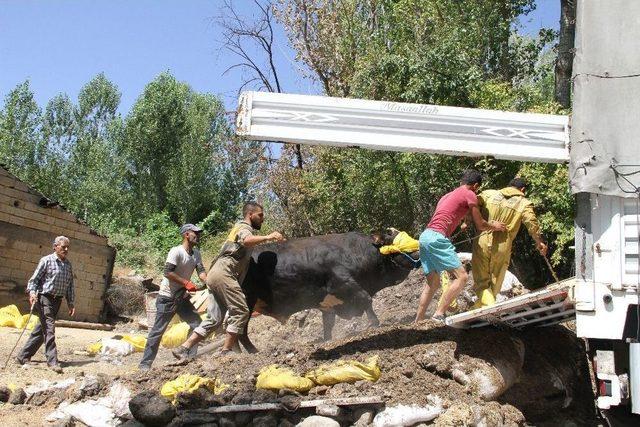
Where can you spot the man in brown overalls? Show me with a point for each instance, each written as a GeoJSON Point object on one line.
{"type": "Point", "coordinates": [224, 279]}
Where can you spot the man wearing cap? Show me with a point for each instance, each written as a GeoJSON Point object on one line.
{"type": "Point", "coordinates": [173, 297]}
{"type": "Point", "coordinates": [224, 282]}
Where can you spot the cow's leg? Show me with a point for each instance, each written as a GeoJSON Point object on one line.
{"type": "Point", "coordinates": [244, 338]}
{"type": "Point", "coordinates": [342, 283]}
{"type": "Point", "coordinates": [371, 315]}
{"type": "Point", "coordinates": [328, 322]}
{"type": "Point", "coordinates": [246, 342]}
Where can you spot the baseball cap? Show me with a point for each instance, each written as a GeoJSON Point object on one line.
{"type": "Point", "coordinates": [190, 227]}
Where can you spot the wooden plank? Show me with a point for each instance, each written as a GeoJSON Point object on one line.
{"type": "Point", "coordinates": [534, 307]}
{"type": "Point", "coordinates": [347, 401]}
{"type": "Point", "coordinates": [84, 325]}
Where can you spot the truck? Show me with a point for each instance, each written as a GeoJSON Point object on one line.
{"type": "Point", "coordinates": [600, 143]}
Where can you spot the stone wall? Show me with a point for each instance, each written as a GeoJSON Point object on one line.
{"type": "Point", "coordinates": [28, 225]}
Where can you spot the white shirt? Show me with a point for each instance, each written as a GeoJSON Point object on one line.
{"type": "Point", "coordinates": [185, 264]}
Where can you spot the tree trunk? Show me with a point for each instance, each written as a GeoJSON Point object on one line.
{"type": "Point", "coordinates": [564, 62]}
{"type": "Point", "coordinates": [299, 156]}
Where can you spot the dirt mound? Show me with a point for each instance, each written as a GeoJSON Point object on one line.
{"type": "Point", "coordinates": [487, 376]}
{"type": "Point", "coordinates": [543, 371]}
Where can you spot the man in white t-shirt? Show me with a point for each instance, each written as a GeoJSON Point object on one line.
{"type": "Point", "coordinates": [173, 297]}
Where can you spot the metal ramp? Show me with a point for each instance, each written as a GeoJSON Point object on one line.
{"type": "Point", "coordinates": [547, 306]}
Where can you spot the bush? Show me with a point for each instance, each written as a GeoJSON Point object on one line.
{"type": "Point", "coordinates": [161, 232]}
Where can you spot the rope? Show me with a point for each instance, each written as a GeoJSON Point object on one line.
{"type": "Point", "coordinates": [416, 263]}
{"type": "Point", "coordinates": [553, 273]}
{"type": "Point", "coordinates": [546, 260]}
{"type": "Point", "coordinates": [472, 238]}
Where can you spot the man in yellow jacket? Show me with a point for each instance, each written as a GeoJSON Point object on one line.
{"type": "Point", "coordinates": [492, 251]}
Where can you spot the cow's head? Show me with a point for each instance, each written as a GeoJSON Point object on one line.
{"type": "Point", "coordinates": [396, 261]}
{"type": "Point", "coordinates": [384, 237]}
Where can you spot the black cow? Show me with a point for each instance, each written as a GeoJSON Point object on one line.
{"type": "Point", "coordinates": [337, 273]}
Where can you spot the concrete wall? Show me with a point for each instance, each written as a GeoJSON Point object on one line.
{"type": "Point", "coordinates": [28, 225]}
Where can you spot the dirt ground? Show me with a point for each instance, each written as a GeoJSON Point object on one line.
{"type": "Point", "coordinates": [415, 361]}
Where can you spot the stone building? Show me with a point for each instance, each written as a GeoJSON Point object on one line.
{"type": "Point", "coordinates": [29, 222]}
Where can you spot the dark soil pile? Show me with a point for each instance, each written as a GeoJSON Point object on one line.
{"type": "Point", "coordinates": [416, 361]}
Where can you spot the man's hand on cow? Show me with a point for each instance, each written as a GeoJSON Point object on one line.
{"type": "Point", "coordinates": [275, 236]}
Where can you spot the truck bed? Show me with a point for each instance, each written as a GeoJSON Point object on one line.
{"type": "Point", "coordinates": [544, 307]}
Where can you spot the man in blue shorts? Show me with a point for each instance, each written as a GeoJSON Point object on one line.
{"type": "Point", "coordinates": [437, 253]}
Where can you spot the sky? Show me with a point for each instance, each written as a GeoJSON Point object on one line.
{"type": "Point", "coordinates": [60, 45]}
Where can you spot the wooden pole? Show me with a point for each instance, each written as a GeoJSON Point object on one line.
{"type": "Point", "coordinates": [84, 325]}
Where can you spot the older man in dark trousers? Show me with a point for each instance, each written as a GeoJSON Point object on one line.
{"type": "Point", "coordinates": [51, 281]}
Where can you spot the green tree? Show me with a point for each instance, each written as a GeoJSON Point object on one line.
{"type": "Point", "coordinates": [94, 170]}
{"type": "Point", "coordinates": [453, 52]}
{"type": "Point", "coordinates": [181, 158]}
{"type": "Point", "coordinates": [21, 144]}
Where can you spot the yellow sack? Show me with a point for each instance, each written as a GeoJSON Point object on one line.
{"type": "Point", "coordinates": [94, 348]}
{"type": "Point", "coordinates": [32, 323]}
{"type": "Point", "coordinates": [188, 383]}
{"type": "Point", "coordinates": [137, 341]}
{"type": "Point", "coordinates": [346, 371]}
{"type": "Point", "coordinates": [274, 378]}
{"type": "Point", "coordinates": [401, 243]}
{"type": "Point", "coordinates": [10, 316]}
{"type": "Point", "coordinates": [175, 335]}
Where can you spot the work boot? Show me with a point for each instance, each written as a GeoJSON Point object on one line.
{"type": "Point", "coordinates": [20, 361]}
{"type": "Point", "coordinates": [56, 368]}
{"type": "Point", "coordinates": [182, 353]}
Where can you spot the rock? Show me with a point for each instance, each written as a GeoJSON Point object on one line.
{"type": "Point", "coordinates": [328, 410]}
{"type": "Point", "coordinates": [200, 398]}
{"type": "Point", "coordinates": [17, 397]}
{"type": "Point", "coordinates": [226, 422]}
{"type": "Point", "coordinates": [263, 396]}
{"type": "Point", "coordinates": [151, 409]}
{"type": "Point", "coordinates": [243, 418]}
{"type": "Point", "coordinates": [191, 419]}
{"type": "Point", "coordinates": [86, 386]}
{"type": "Point", "coordinates": [64, 422]}
{"type": "Point", "coordinates": [287, 392]}
{"type": "Point", "coordinates": [407, 373]}
{"type": "Point", "coordinates": [38, 398]}
{"type": "Point", "coordinates": [242, 398]}
{"type": "Point", "coordinates": [285, 423]}
{"type": "Point", "coordinates": [362, 417]}
{"type": "Point", "coordinates": [4, 394]}
{"type": "Point", "coordinates": [319, 421]}
{"type": "Point", "coordinates": [457, 414]}
{"type": "Point", "coordinates": [267, 420]}
{"type": "Point", "coordinates": [132, 423]}
{"type": "Point", "coordinates": [320, 390]}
